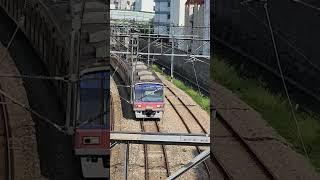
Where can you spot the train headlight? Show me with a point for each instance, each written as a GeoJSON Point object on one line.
{"type": "Point", "coordinates": [139, 105]}
{"type": "Point", "coordinates": [91, 140]}
{"type": "Point", "coordinates": [158, 106]}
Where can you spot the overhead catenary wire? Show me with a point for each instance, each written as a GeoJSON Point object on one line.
{"type": "Point", "coordinates": [307, 4]}
{"type": "Point", "coordinates": [21, 22]}
{"type": "Point", "coordinates": [276, 30]}
{"type": "Point", "coordinates": [5, 53]}
{"type": "Point", "coordinates": [13, 100]}
{"type": "Point", "coordinates": [156, 39]}
{"type": "Point", "coordinates": [58, 78]}
{"type": "Point", "coordinates": [32, 111]}
{"type": "Point", "coordinates": [66, 79]}
{"type": "Point", "coordinates": [284, 82]}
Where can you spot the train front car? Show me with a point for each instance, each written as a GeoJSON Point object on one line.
{"type": "Point", "coordinates": [148, 100]}
{"type": "Point", "coordinates": [92, 138]}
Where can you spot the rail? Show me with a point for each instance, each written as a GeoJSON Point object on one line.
{"type": "Point", "coordinates": [9, 165]}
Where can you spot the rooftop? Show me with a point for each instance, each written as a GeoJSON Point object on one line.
{"type": "Point", "coordinates": [194, 2]}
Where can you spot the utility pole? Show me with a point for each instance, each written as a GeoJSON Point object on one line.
{"type": "Point", "coordinates": [149, 48]}
{"type": "Point", "coordinates": [134, 56]}
{"type": "Point", "coordinates": [132, 70]}
{"type": "Point", "coordinates": [69, 98]}
{"type": "Point", "coordinates": [172, 55]}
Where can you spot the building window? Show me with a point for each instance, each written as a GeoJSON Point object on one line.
{"type": "Point", "coordinates": [168, 4]}
{"type": "Point", "coordinates": [154, 8]}
{"type": "Point", "coordinates": [168, 16]}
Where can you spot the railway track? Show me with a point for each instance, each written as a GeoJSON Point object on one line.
{"type": "Point", "coordinates": [245, 148]}
{"type": "Point", "coordinates": [220, 166]}
{"type": "Point", "coordinates": [153, 126]}
{"type": "Point", "coordinates": [7, 170]}
{"type": "Point", "coordinates": [184, 121]}
{"type": "Point", "coordinates": [160, 164]}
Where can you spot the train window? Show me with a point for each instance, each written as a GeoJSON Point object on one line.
{"type": "Point", "coordinates": [148, 92]}
{"type": "Point", "coordinates": [94, 100]}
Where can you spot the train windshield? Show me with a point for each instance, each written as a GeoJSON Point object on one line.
{"type": "Point", "coordinates": [148, 92]}
{"type": "Point", "coordinates": [94, 100]}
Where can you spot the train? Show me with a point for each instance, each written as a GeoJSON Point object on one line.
{"type": "Point", "coordinates": [147, 90]}
{"type": "Point", "coordinates": [63, 45]}
{"type": "Point", "coordinates": [92, 126]}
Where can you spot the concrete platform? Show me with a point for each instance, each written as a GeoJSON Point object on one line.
{"type": "Point", "coordinates": [276, 153]}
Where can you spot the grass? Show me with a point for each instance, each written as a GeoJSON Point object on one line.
{"type": "Point", "coordinates": [201, 100]}
{"type": "Point", "coordinates": [273, 107]}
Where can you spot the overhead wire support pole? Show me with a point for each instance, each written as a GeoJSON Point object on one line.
{"type": "Point", "coordinates": [126, 161]}
{"type": "Point", "coordinates": [149, 48]}
{"type": "Point", "coordinates": [132, 70]}
{"type": "Point", "coordinates": [172, 56]}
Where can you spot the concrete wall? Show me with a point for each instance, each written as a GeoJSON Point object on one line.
{"type": "Point", "coordinates": [296, 28]}
{"type": "Point", "coordinates": [48, 28]}
{"type": "Point", "coordinates": [48, 39]}
{"type": "Point", "coordinates": [183, 68]}
{"type": "Point", "coordinates": [197, 23]}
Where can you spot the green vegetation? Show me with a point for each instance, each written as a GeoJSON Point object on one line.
{"type": "Point", "coordinates": [203, 101]}
{"type": "Point", "coordinates": [273, 107]}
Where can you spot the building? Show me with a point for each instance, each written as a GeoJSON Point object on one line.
{"type": "Point", "coordinates": [197, 22]}
{"type": "Point", "coordinates": [144, 5]}
{"type": "Point", "coordinates": [169, 13]}
{"type": "Point", "coordinates": [142, 17]}
{"type": "Point", "coordinates": [121, 4]}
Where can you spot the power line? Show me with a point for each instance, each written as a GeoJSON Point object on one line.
{"type": "Point", "coordinates": [19, 23]}
{"type": "Point", "coordinates": [58, 78]}
{"type": "Point", "coordinates": [307, 4]}
{"type": "Point", "coordinates": [67, 78]}
{"type": "Point", "coordinates": [283, 80]}
{"type": "Point", "coordinates": [45, 119]}
{"type": "Point", "coordinates": [277, 31]}
{"type": "Point", "coordinates": [9, 44]}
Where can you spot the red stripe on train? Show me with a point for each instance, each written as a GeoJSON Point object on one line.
{"type": "Point", "coordinates": [92, 138]}
{"type": "Point", "coordinates": [148, 105]}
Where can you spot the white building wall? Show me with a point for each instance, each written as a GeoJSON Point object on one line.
{"type": "Point", "coordinates": [140, 16]}
{"type": "Point", "coordinates": [178, 12]}
{"type": "Point", "coordinates": [206, 49]}
{"type": "Point", "coordinates": [162, 16]}
{"type": "Point", "coordinates": [144, 5]}
{"type": "Point", "coordinates": [121, 4]}
{"type": "Point", "coordinates": [172, 15]}
{"type": "Point", "coordinates": [197, 20]}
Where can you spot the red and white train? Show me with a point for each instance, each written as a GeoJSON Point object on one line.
{"type": "Point", "coordinates": [147, 90]}
{"type": "Point", "coordinates": [148, 93]}
{"type": "Point", "coordinates": [92, 132]}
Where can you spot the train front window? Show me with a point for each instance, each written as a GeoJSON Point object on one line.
{"type": "Point", "coordinates": [148, 93]}
{"type": "Point", "coordinates": [94, 99]}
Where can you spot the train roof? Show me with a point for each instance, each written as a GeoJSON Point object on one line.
{"type": "Point", "coordinates": [98, 66]}
{"type": "Point", "coordinates": [144, 74]}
